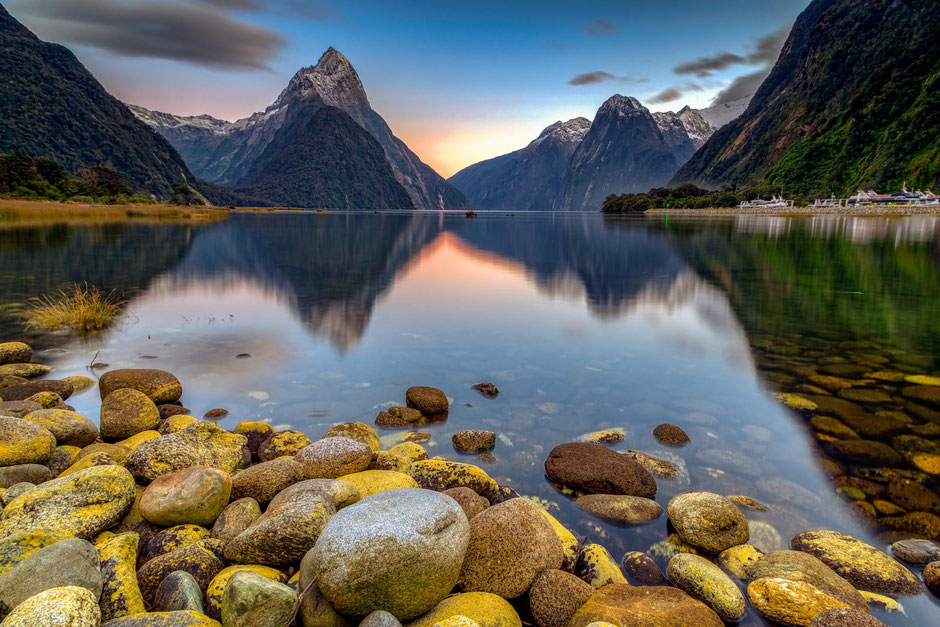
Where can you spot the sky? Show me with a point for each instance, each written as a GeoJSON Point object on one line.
{"type": "Point", "coordinates": [457, 81]}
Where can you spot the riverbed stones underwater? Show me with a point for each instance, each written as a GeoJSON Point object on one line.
{"type": "Point", "coordinates": [162, 518]}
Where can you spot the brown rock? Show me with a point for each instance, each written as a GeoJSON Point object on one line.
{"type": "Point", "coordinates": [159, 385]}
{"type": "Point", "coordinates": [474, 440]}
{"type": "Point", "coordinates": [708, 521]}
{"type": "Point", "coordinates": [597, 469]}
{"type": "Point", "coordinates": [284, 444]}
{"type": "Point", "coordinates": [199, 559]}
{"type": "Point", "coordinates": [670, 434]}
{"type": "Point", "coordinates": [235, 518]}
{"type": "Point", "coordinates": [263, 481]}
{"type": "Point", "coordinates": [333, 457]}
{"type": "Point", "coordinates": [845, 617]}
{"type": "Point", "coordinates": [126, 412]}
{"type": "Point", "coordinates": [195, 495]}
{"type": "Point", "coordinates": [644, 606]}
{"type": "Point", "coordinates": [470, 502]}
{"type": "Point", "coordinates": [256, 432]}
{"type": "Point", "coordinates": [426, 400]}
{"type": "Point", "coordinates": [620, 509]}
{"type": "Point", "coordinates": [22, 391]}
{"type": "Point", "coordinates": [866, 452]}
{"type": "Point", "coordinates": [555, 596]}
{"type": "Point", "coordinates": [932, 576]}
{"type": "Point", "coordinates": [486, 389]}
{"type": "Point", "coordinates": [641, 570]}
{"type": "Point", "coordinates": [913, 496]}
{"type": "Point", "coordinates": [799, 566]}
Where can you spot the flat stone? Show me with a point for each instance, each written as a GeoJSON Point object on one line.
{"type": "Point", "coordinates": [786, 491]}
{"type": "Point", "coordinates": [912, 495]}
{"type": "Point", "coordinates": [730, 461]}
{"type": "Point", "coordinates": [916, 551]}
{"type": "Point", "coordinates": [708, 521]}
{"type": "Point", "coordinates": [929, 394]}
{"type": "Point", "coordinates": [620, 509]}
{"type": "Point", "coordinates": [596, 469]}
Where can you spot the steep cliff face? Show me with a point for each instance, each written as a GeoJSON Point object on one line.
{"type": "Point", "coordinates": [224, 152]}
{"type": "Point", "coordinates": [624, 151]}
{"type": "Point", "coordinates": [675, 135]}
{"type": "Point", "coordinates": [696, 127]}
{"type": "Point", "coordinates": [51, 106]}
{"type": "Point", "coordinates": [527, 179]}
{"type": "Point", "coordinates": [853, 100]}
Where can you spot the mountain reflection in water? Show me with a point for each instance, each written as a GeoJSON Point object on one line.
{"type": "Point", "coordinates": [583, 322]}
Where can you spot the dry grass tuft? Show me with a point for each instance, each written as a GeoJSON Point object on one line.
{"type": "Point", "coordinates": [79, 306]}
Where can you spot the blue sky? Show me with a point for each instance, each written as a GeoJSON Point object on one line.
{"type": "Point", "coordinates": [458, 81]}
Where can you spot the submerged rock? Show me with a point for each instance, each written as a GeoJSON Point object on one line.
{"type": "Point", "coordinates": [790, 602]}
{"type": "Point", "coordinates": [426, 400]}
{"type": "Point", "coordinates": [620, 509]}
{"type": "Point", "coordinates": [596, 469]}
{"type": "Point", "coordinates": [474, 440]}
{"type": "Point", "coordinates": [916, 551]}
{"type": "Point", "coordinates": [486, 389]}
{"type": "Point", "coordinates": [798, 566]}
{"type": "Point", "coordinates": [670, 435]}
{"type": "Point", "coordinates": [641, 570]}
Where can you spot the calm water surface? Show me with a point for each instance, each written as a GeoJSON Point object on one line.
{"type": "Point", "coordinates": [582, 322]}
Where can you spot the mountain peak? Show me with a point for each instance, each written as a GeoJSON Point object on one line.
{"type": "Point", "coordinates": [333, 79]}
{"type": "Point", "coordinates": [623, 105]}
{"type": "Point", "coordinates": [572, 131]}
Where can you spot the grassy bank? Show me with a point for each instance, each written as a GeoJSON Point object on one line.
{"type": "Point", "coordinates": [23, 212]}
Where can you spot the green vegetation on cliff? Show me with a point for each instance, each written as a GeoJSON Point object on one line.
{"type": "Point", "coordinates": [853, 101]}
{"type": "Point", "coordinates": [44, 179]}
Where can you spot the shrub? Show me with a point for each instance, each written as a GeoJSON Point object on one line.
{"type": "Point", "coordinates": [79, 307]}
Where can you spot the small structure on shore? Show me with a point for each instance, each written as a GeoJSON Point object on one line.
{"type": "Point", "coordinates": [774, 202]}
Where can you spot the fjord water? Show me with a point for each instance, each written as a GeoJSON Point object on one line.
{"type": "Point", "coordinates": [583, 322]}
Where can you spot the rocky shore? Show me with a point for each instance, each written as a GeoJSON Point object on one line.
{"type": "Point", "coordinates": [153, 516]}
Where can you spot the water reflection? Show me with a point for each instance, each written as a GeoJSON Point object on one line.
{"type": "Point", "coordinates": [583, 322]}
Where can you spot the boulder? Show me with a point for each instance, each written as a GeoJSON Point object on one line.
{"type": "Point", "coordinates": [179, 591]}
{"type": "Point", "coordinates": [399, 551]}
{"type": "Point", "coordinates": [199, 559]}
{"type": "Point", "coordinates": [555, 596]}
{"type": "Point", "coordinates": [510, 543]}
{"type": "Point", "coordinates": [638, 606]}
{"type": "Point", "coordinates": [22, 391]}
{"type": "Point", "coordinates": [15, 353]}
{"type": "Point", "coordinates": [24, 442]}
{"type": "Point", "coordinates": [426, 400]}
{"type": "Point", "coordinates": [739, 560]}
{"type": "Point", "coordinates": [861, 564]}
{"type": "Point", "coordinates": [69, 428]}
{"type": "Point", "coordinates": [202, 443]}
{"type": "Point", "coordinates": [703, 580]}
{"type": "Point", "coordinates": [235, 518]}
{"type": "Point", "coordinates": [71, 562]}
{"type": "Point", "coordinates": [126, 412]}
{"type": "Point", "coordinates": [620, 509]}
{"type": "Point", "coordinates": [215, 592]}
{"type": "Point", "coordinates": [474, 440]}
{"type": "Point", "coordinates": [83, 504]}
{"type": "Point", "coordinates": [596, 469]}
{"type": "Point", "coordinates": [283, 444]}
{"type": "Point", "coordinates": [284, 533]}
{"type": "Point", "coordinates": [195, 495]}
{"type": "Point", "coordinates": [708, 521]}
{"type": "Point", "coordinates": [442, 474]}
{"type": "Point", "coordinates": [487, 610]}
{"type": "Point", "coordinates": [790, 602]}
{"type": "Point", "coordinates": [596, 566]}
{"type": "Point", "coordinates": [33, 473]}
{"type": "Point", "coordinates": [62, 458]}
{"type": "Point", "coordinates": [263, 481]}
{"type": "Point", "coordinates": [470, 502]}
{"type": "Point", "coordinates": [252, 600]}
{"type": "Point", "coordinates": [120, 595]}
{"type": "Point", "coordinates": [159, 385]}
{"type": "Point", "coordinates": [333, 457]}
{"type": "Point", "coordinates": [799, 566]}
{"type": "Point", "coordinates": [69, 606]}
{"type": "Point", "coordinates": [18, 409]}
{"type": "Point", "coordinates": [359, 431]}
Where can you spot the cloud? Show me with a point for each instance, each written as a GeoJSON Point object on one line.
{"type": "Point", "coordinates": [768, 47]}
{"type": "Point", "coordinates": [741, 86]}
{"type": "Point", "coordinates": [765, 51]}
{"type": "Point", "coordinates": [170, 29]}
{"type": "Point", "coordinates": [704, 66]}
{"type": "Point", "coordinates": [598, 28]}
{"type": "Point", "coordinates": [303, 9]}
{"type": "Point", "coordinates": [667, 95]}
{"type": "Point", "coordinates": [592, 78]}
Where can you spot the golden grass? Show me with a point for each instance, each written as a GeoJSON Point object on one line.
{"type": "Point", "coordinates": [24, 212]}
{"type": "Point", "coordinates": [79, 307]}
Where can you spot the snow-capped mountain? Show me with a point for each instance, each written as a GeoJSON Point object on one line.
{"type": "Point", "coordinates": [719, 115]}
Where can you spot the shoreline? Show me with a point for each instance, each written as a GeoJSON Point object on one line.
{"type": "Point", "coordinates": [887, 212]}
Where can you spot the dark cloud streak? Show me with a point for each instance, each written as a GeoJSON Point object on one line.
{"type": "Point", "coordinates": [704, 66]}
{"type": "Point", "coordinates": [598, 28]}
{"type": "Point", "coordinates": [592, 78]}
{"type": "Point", "coordinates": [667, 95]}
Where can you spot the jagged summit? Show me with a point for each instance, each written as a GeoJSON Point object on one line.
{"type": "Point", "coordinates": [572, 131]}
{"type": "Point", "coordinates": [333, 78]}
{"type": "Point", "coordinates": [623, 105]}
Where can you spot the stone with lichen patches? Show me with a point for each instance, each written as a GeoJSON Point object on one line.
{"type": "Point", "coordinates": [284, 533]}
{"type": "Point", "coordinates": [705, 581]}
{"type": "Point", "coordinates": [69, 428]}
{"type": "Point", "coordinates": [252, 600]}
{"type": "Point", "coordinates": [216, 589]}
{"type": "Point", "coordinates": [19, 546]}
{"type": "Point", "coordinates": [621, 604]}
{"type": "Point", "coordinates": [369, 482]}
{"type": "Point", "coordinates": [409, 451]}
{"type": "Point", "coordinates": [199, 559]}
{"type": "Point", "coordinates": [641, 570]}
{"type": "Point", "coordinates": [790, 602]}
{"type": "Point", "coordinates": [181, 618]}
{"type": "Point", "coordinates": [22, 391]}
{"type": "Point", "coordinates": [69, 606]}
{"type": "Point", "coordinates": [176, 422]}
{"type": "Point", "coordinates": [120, 594]}
{"type": "Point", "coordinates": [24, 442]}
{"type": "Point", "coordinates": [282, 444]}
{"type": "Point", "coordinates": [474, 440]}
{"type": "Point", "coordinates": [179, 591]}
{"type": "Point", "coordinates": [670, 434]}
{"type": "Point", "coordinates": [159, 385]}
{"type": "Point", "coordinates": [169, 540]}
{"type": "Point", "coordinates": [89, 461]}
{"type": "Point", "coordinates": [748, 502]}
{"type": "Point", "coordinates": [48, 400]}
{"type": "Point", "coordinates": [470, 502]}
{"type": "Point", "coordinates": [202, 443]}
{"type": "Point", "coordinates": [442, 474]}
{"type": "Point", "coordinates": [861, 564]}
{"type": "Point", "coordinates": [336, 492]}
{"type": "Point", "coordinates": [597, 567]}
{"type": "Point", "coordinates": [738, 560]}
{"type": "Point", "coordinates": [83, 504]}
{"type": "Point", "coordinates": [333, 457]}
{"type": "Point", "coordinates": [24, 370]}
{"type": "Point", "coordinates": [235, 518]}
{"type": "Point", "coordinates": [427, 400]}
{"type": "Point", "coordinates": [487, 610]}
{"type": "Point", "coordinates": [263, 481]}
{"type": "Point", "coordinates": [555, 596]}
{"type": "Point", "coordinates": [256, 432]}
{"type": "Point", "coordinates": [15, 352]}
{"type": "Point", "coordinates": [620, 509]}
{"type": "Point", "coordinates": [359, 431]}
{"type": "Point", "coordinates": [569, 543]}
{"type": "Point", "coordinates": [708, 521]}
{"type": "Point", "coordinates": [845, 617]}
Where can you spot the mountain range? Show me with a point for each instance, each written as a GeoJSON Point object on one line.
{"type": "Point", "coordinates": [853, 101]}
{"type": "Point", "coordinates": [576, 164]}
{"type": "Point", "coordinates": [227, 153]}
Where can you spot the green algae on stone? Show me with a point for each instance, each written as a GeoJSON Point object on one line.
{"type": "Point", "coordinates": [706, 582]}
{"type": "Point", "coordinates": [84, 503]}
{"type": "Point", "coordinates": [252, 600]}
{"type": "Point", "coordinates": [861, 564]}
{"type": "Point", "coordinates": [120, 595]}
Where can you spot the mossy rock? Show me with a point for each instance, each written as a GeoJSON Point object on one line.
{"type": "Point", "coordinates": [739, 560]}
{"type": "Point", "coordinates": [126, 412]}
{"type": "Point", "coordinates": [137, 439]}
{"type": "Point", "coordinates": [235, 518]}
{"type": "Point", "coordinates": [88, 461]}
{"type": "Point", "coordinates": [69, 428]}
{"type": "Point", "coordinates": [597, 567]}
{"type": "Point", "coordinates": [69, 606]}
{"type": "Point", "coordinates": [176, 422]}
{"type": "Point", "coordinates": [252, 600]}
{"type": "Point", "coordinates": [487, 610]}
{"type": "Point", "coordinates": [216, 589]}
{"type": "Point", "coordinates": [410, 451]}
{"type": "Point", "coordinates": [182, 618]}
{"type": "Point", "coordinates": [706, 582]}
{"type": "Point", "coordinates": [282, 444]}
{"type": "Point", "coordinates": [159, 385]}
{"type": "Point", "coordinates": [202, 443]}
{"type": "Point", "coordinates": [19, 546]}
{"type": "Point", "coordinates": [200, 559]}
{"type": "Point", "coordinates": [120, 595]}
{"type": "Point", "coordinates": [15, 352]}
{"type": "Point", "coordinates": [83, 504]}
{"type": "Point", "coordinates": [169, 540]}
{"type": "Point", "coordinates": [47, 400]}
{"type": "Point", "coordinates": [358, 431]}
{"type": "Point", "coordinates": [369, 482]}
{"type": "Point", "coordinates": [442, 474]}
{"type": "Point", "coordinates": [24, 442]}
{"type": "Point", "coordinates": [256, 432]}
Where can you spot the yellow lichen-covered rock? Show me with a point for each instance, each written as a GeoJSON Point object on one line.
{"type": "Point", "coordinates": [670, 546]}
{"type": "Point", "coordinates": [703, 580]}
{"type": "Point", "coordinates": [569, 543]}
{"type": "Point", "coordinates": [256, 432]}
{"type": "Point", "coordinates": [604, 436]}
{"type": "Point", "coordinates": [358, 431]}
{"type": "Point", "coordinates": [69, 606]}
{"type": "Point", "coordinates": [176, 422]}
{"type": "Point", "coordinates": [117, 452]}
{"type": "Point", "coordinates": [442, 474]}
{"type": "Point", "coordinates": [62, 458]}
{"type": "Point", "coordinates": [79, 383]}
{"type": "Point", "coordinates": [126, 412]}
{"type": "Point", "coordinates": [235, 518]}
{"type": "Point", "coordinates": [24, 442]}
{"type": "Point", "coordinates": [15, 352]}
{"type": "Point", "coordinates": [384, 460]}
{"type": "Point", "coordinates": [120, 595]}
{"type": "Point", "coordinates": [88, 461]}
{"type": "Point", "coordinates": [199, 559]}
{"type": "Point", "coordinates": [83, 504]}
{"type": "Point", "coordinates": [917, 379]}
{"type": "Point", "coordinates": [487, 610]}
{"type": "Point", "coordinates": [790, 602]}
{"type": "Point", "coordinates": [597, 567]}
{"type": "Point", "coordinates": [171, 539]}
{"type": "Point", "coordinates": [27, 371]}
{"type": "Point", "coordinates": [132, 518]}
{"type": "Point", "coordinates": [881, 601]}
{"type": "Point", "coordinates": [47, 399]}
{"type": "Point", "coordinates": [159, 385]}
{"type": "Point", "coordinates": [283, 444]}
{"type": "Point", "coordinates": [738, 560]}
{"type": "Point", "coordinates": [369, 482]}
{"type": "Point", "coordinates": [180, 618]}
{"type": "Point", "coordinates": [201, 443]}
{"type": "Point", "coordinates": [409, 451]}
{"type": "Point", "coordinates": [136, 440]}
{"type": "Point", "coordinates": [68, 427]}
{"type": "Point", "coordinates": [795, 401]}
{"type": "Point", "coordinates": [21, 545]}
{"type": "Point", "coordinates": [217, 586]}
{"type": "Point", "coordinates": [457, 621]}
